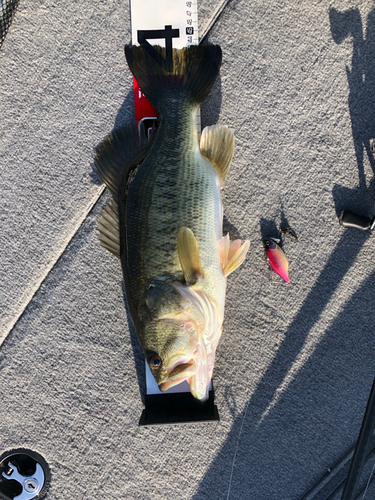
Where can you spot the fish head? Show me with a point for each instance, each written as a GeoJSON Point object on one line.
{"type": "Point", "coordinates": [169, 347]}
{"type": "Point", "coordinates": [270, 244]}
{"type": "Point", "coordinates": [180, 344]}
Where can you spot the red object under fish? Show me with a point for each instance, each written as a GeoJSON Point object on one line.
{"type": "Point", "coordinates": [277, 259]}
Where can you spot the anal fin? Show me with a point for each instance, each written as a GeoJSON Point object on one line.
{"type": "Point", "coordinates": [217, 145]}
{"type": "Point", "coordinates": [188, 253]}
{"type": "Point", "coordinates": [232, 253]}
{"type": "Point", "coordinates": [109, 228]}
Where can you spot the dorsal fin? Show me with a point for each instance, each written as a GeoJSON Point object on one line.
{"type": "Point", "coordinates": [232, 253]}
{"type": "Point", "coordinates": [111, 159]}
{"type": "Point", "coordinates": [217, 143]}
{"type": "Point", "coordinates": [188, 253]}
{"type": "Point", "coordinates": [116, 156]}
{"type": "Point", "coordinates": [109, 229]}
{"type": "Point", "coordinates": [112, 155]}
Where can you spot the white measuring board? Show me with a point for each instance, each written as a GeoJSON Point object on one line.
{"type": "Point", "coordinates": [152, 16]}
{"type": "Point", "coordinates": [156, 14]}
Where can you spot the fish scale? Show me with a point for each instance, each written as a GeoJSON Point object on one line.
{"type": "Point", "coordinates": [182, 189]}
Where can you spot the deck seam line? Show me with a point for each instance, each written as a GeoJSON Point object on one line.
{"type": "Point", "coordinates": [211, 23]}
{"type": "Point", "coordinates": [54, 259]}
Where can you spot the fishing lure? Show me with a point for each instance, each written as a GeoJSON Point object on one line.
{"type": "Point", "coordinates": [276, 257]}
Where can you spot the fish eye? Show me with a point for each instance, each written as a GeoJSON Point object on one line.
{"type": "Point", "coordinates": [155, 361]}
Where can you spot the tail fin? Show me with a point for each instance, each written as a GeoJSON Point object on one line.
{"type": "Point", "coordinates": [192, 71]}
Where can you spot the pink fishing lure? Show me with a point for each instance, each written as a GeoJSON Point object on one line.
{"type": "Point", "coordinates": [277, 258]}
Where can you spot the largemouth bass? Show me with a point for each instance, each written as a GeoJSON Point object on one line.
{"type": "Point", "coordinates": [165, 221]}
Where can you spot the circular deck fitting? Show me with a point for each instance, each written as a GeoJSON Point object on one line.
{"type": "Point", "coordinates": [24, 475]}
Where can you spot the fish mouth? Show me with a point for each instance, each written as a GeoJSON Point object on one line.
{"type": "Point", "coordinates": [178, 374]}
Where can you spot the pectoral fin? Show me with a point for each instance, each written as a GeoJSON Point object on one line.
{"type": "Point", "coordinates": [217, 143]}
{"type": "Point", "coordinates": [188, 253]}
{"type": "Point", "coordinates": [109, 229]}
{"type": "Point", "coordinates": [232, 253]}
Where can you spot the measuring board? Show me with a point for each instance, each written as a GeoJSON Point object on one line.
{"type": "Point", "coordinates": [170, 24]}
{"type": "Point", "coordinates": [159, 22]}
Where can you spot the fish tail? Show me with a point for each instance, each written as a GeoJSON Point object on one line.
{"type": "Point", "coordinates": [189, 72]}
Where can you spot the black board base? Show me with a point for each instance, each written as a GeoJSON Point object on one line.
{"type": "Point", "coordinates": [177, 408]}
